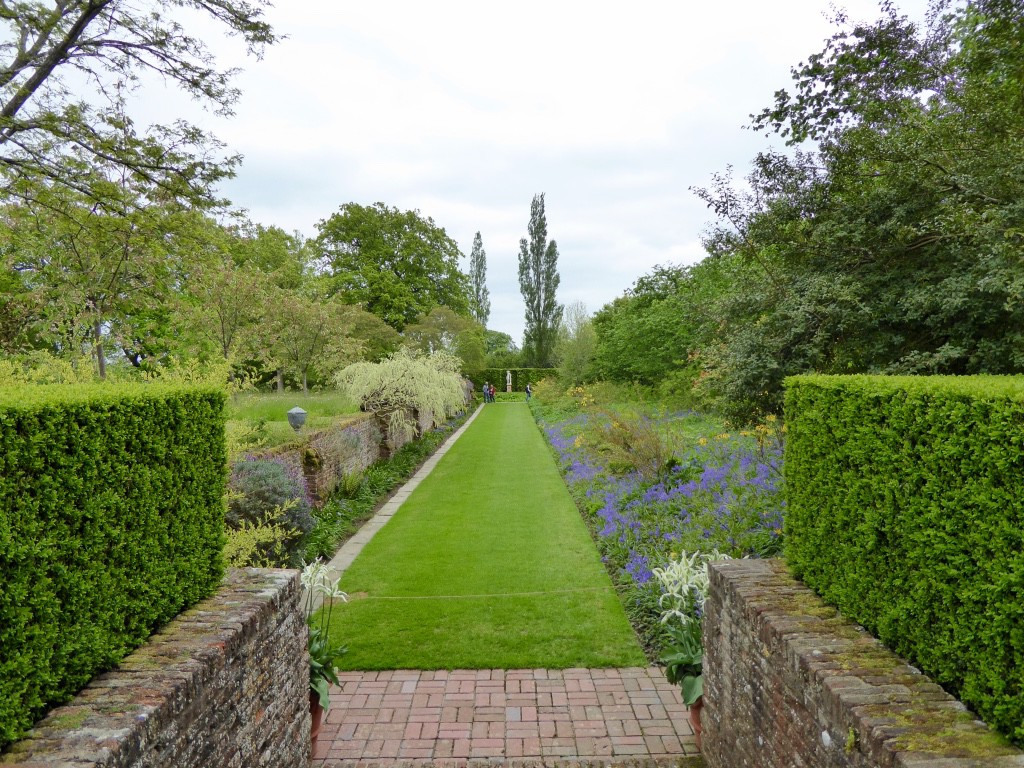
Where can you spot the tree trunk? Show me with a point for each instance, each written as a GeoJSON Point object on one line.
{"type": "Point", "coordinates": [101, 362]}
{"type": "Point", "coordinates": [305, 389]}
{"type": "Point", "coordinates": [280, 380]}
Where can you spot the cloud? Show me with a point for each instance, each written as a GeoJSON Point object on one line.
{"type": "Point", "coordinates": [466, 110]}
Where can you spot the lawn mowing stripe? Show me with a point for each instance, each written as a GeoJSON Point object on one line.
{"type": "Point", "coordinates": [493, 518]}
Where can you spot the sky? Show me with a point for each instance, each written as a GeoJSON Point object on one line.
{"type": "Point", "coordinates": [464, 111]}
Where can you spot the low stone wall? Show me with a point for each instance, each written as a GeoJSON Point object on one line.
{"type": "Point", "coordinates": [224, 684]}
{"type": "Point", "coordinates": [331, 454]}
{"type": "Point", "coordinates": [789, 682]}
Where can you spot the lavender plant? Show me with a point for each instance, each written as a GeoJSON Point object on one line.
{"type": "Point", "coordinates": [719, 492]}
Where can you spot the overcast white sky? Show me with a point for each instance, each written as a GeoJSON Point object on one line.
{"type": "Point", "coordinates": [465, 110]}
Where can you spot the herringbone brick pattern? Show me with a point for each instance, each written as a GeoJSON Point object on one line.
{"type": "Point", "coordinates": [516, 716]}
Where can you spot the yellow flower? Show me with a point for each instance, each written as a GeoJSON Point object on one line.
{"type": "Point", "coordinates": [702, 441]}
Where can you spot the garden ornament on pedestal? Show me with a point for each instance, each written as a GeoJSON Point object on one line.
{"type": "Point", "coordinates": [296, 417]}
{"type": "Point", "coordinates": [685, 588]}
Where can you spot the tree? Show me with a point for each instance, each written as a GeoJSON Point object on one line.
{"type": "Point", "coordinates": [95, 267]}
{"type": "Point", "coordinates": [403, 385]}
{"type": "Point", "coordinates": [538, 282]}
{"type": "Point", "coordinates": [576, 345]}
{"type": "Point", "coordinates": [397, 264]}
{"type": "Point", "coordinates": [226, 307]}
{"type": "Point", "coordinates": [443, 330]}
{"type": "Point", "coordinates": [896, 245]}
{"type": "Point", "coordinates": [480, 298]}
{"type": "Point", "coordinates": [311, 334]}
{"type": "Point", "coordinates": [501, 351]}
{"type": "Point", "coordinates": [51, 52]}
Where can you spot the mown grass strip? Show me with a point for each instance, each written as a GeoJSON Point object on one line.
{"type": "Point", "coordinates": [494, 537]}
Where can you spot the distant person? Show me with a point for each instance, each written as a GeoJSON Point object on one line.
{"type": "Point", "coordinates": [493, 390]}
{"type": "Point", "coordinates": [529, 392]}
{"type": "Point", "coordinates": [487, 392]}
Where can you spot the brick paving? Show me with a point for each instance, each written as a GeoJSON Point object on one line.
{"type": "Point", "coordinates": [523, 716]}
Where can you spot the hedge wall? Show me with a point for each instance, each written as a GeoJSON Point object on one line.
{"type": "Point", "coordinates": [111, 522]}
{"type": "Point", "coordinates": [520, 377]}
{"type": "Point", "coordinates": [906, 511]}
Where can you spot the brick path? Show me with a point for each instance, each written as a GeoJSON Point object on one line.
{"type": "Point", "coordinates": [515, 716]}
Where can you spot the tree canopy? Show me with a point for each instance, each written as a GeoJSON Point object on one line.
{"type": "Point", "coordinates": [66, 68]}
{"type": "Point", "coordinates": [398, 264]}
{"type": "Point", "coordinates": [890, 241]}
{"type": "Point", "coordinates": [538, 282]}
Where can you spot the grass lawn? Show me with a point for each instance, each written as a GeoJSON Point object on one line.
{"type": "Point", "coordinates": [487, 565]}
{"type": "Point", "coordinates": [245, 412]}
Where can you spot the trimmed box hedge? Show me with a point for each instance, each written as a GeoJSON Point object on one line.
{"type": "Point", "coordinates": [906, 511]}
{"type": "Point", "coordinates": [111, 523]}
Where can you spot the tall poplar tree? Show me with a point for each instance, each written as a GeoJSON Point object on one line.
{"type": "Point", "coordinates": [480, 297]}
{"type": "Point", "coordinates": [538, 281]}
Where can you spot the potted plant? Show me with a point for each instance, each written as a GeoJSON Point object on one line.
{"type": "Point", "coordinates": [323, 656]}
{"type": "Point", "coordinates": [684, 585]}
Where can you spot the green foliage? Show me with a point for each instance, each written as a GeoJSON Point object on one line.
{"type": "Point", "coordinates": [480, 297]}
{"type": "Point", "coordinates": [538, 282]}
{"type": "Point", "coordinates": [443, 330]}
{"type": "Point", "coordinates": [267, 490]}
{"type": "Point", "coordinates": [647, 335]}
{"type": "Point", "coordinates": [259, 545]}
{"type": "Point", "coordinates": [576, 346]}
{"type": "Point", "coordinates": [905, 512]}
{"type": "Point", "coordinates": [501, 351]}
{"type": "Point", "coordinates": [111, 523]}
{"type": "Point", "coordinates": [893, 246]}
{"type": "Point", "coordinates": [398, 264]}
{"type": "Point", "coordinates": [406, 383]}
{"type": "Point", "coordinates": [69, 68]}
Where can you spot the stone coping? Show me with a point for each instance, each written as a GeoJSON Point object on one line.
{"type": "Point", "coordinates": [148, 701]}
{"type": "Point", "coordinates": [876, 703]}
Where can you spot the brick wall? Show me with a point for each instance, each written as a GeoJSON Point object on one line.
{"type": "Point", "coordinates": [332, 453]}
{"type": "Point", "coordinates": [327, 455]}
{"type": "Point", "coordinates": [788, 682]}
{"type": "Point", "coordinates": [224, 684]}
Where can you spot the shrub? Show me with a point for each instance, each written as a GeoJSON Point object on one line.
{"type": "Point", "coordinates": [404, 384]}
{"type": "Point", "coordinates": [906, 512]}
{"type": "Point", "coordinates": [111, 523]}
{"type": "Point", "coordinates": [258, 545]}
{"type": "Point", "coordinates": [266, 491]}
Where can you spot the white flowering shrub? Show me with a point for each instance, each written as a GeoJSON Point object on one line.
{"type": "Point", "coordinates": [404, 383]}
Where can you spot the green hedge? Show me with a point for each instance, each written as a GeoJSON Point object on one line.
{"type": "Point", "coordinates": [111, 522]}
{"type": "Point", "coordinates": [906, 511]}
{"type": "Point", "coordinates": [520, 377]}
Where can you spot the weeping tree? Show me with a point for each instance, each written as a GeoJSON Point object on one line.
{"type": "Point", "coordinates": [403, 385]}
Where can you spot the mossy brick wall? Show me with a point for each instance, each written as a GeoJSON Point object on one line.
{"type": "Point", "coordinates": [327, 455]}
{"type": "Point", "coordinates": [226, 683]}
{"type": "Point", "coordinates": [789, 682]}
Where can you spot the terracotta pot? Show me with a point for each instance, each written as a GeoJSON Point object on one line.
{"type": "Point", "coordinates": [695, 709]}
{"type": "Point", "coordinates": [316, 710]}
